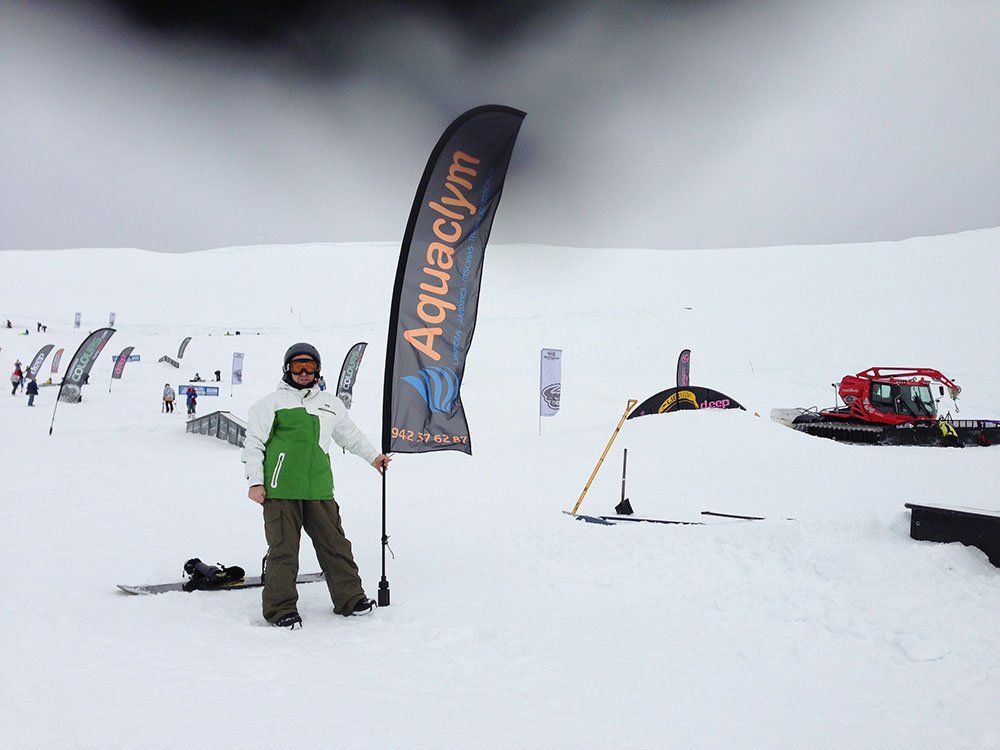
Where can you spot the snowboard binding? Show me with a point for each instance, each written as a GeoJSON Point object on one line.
{"type": "Point", "coordinates": [206, 577]}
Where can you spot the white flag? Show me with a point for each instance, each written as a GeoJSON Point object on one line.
{"type": "Point", "coordinates": [76, 321]}
{"type": "Point", "coordinates": [237, 368]}
{"type": "Point", "coordinates": [111, 320]}
{"type": "Point", "coordinates": [550, 384]}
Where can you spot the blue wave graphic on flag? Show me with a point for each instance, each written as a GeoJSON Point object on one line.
{"type": "Point", "coordinates": [437, 386]}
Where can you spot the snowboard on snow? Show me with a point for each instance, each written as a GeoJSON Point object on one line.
{"type": "Point", "coordinates": [203, 577]}
{"type": "Point", "coordinates": [250, 582]}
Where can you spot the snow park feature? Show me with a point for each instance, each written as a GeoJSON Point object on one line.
{"type": "Point", "coordinates": [934, 522]}
{"type": "Point", "coordinates": [510, 626]}
{"type": "Point", "coordinates": [685, 398]}
{"type": "Point", "coordinates": [220, 424]}
{"type": "Point", "coordinates": [893, 406]}
{"type": "Point", "coordinates": [680, 398]}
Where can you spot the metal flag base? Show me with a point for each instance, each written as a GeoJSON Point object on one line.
{"type": "Point", "coordinates": [383, 585]}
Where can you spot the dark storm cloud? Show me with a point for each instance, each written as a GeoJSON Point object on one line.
{"type": "Point", "coordinates": [653, 125]}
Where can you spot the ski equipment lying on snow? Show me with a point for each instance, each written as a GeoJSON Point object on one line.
{"type": "Point", "coordinates": [612, 520]}
{"type": "Point", "coordinates": [203, 577]}
{"type": "Point", "coordinates": [251, 582]}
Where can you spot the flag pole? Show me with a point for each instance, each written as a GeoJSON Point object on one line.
{"type": "Point", "coordinates": [383, 585]}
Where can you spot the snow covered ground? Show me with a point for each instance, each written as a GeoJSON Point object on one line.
{"type": "Point", "coordinates": [512, 625]}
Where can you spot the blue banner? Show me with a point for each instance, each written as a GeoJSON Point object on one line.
{"type": "Point", "coordinates": [200, 390]}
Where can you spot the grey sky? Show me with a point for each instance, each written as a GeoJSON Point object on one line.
{"type": "Point", "coordinates": [668, 125]}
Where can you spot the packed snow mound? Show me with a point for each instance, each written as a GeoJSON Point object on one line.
{"type": "Point", "coordinates": [512, 625]}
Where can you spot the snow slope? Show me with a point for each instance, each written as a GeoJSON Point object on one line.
{"type": "Point", "coordinates": [512, 625]}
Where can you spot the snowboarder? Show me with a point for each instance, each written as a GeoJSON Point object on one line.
{"type": "Point", "coordinates": [287, 446]}
{"type": "Point", "coordinates": [32, 392]}
{"type": "Point", "coordinates": [168, 398]}
{"type": "Point", "coordinates": [192, 401]}
{"type": "Point", "coordinates": [218, 376]}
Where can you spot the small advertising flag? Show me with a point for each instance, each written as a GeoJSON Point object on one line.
{"type": "Point", "coordinates": [684, 369]}
{"type": "Point", "coordinates": [76, 321]}
{"type": "Point", "coordinates": [237, 368]}
{"type": "Point", "coordinates": [111, 320]}
{"type": "Point", "coordinates": [36, 363]}
{"type": "Point", "coordinates": [550, 382]}
{"type": "Point", "coordinates": [79, 367]}
{"type": "Point", "coordinates": [237, 378]}
{"type": "Point", "coordinates": [349, 373]}
{"type": "Point", "coordinates": [120, 361]}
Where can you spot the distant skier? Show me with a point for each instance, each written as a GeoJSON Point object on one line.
{"type": "Point", "coordinates": [16, 377]}
{"type": "Point", "coordinates": [287, 445]}
{"type": "Point", "coordinates": [168, 398]}
{"type": "Point", "coordinates": [218, 376]}
{"type": "Point", "coordinates": [192, 401]}
{"type": "Point", "coordinates": [32, 392]}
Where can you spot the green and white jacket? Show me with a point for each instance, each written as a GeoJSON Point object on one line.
{"type": "Point", "coordinates": [287, 446]}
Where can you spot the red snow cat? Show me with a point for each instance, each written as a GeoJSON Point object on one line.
{"type": "Point", "coordinates": [892, 406]}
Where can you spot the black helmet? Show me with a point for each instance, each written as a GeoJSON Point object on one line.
{"type": "Point", "coordinates": [301, 349]}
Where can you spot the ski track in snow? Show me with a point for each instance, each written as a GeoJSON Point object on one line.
{"type": "Point", "coordinates": [512, 625]}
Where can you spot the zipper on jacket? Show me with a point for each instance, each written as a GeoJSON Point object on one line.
{"type": "Point", "coordinates": [277, 470]}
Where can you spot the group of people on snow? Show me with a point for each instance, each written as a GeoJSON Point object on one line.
{"type": "Point", "coordinates": [19, 379]}
{"type": "Point", "coordinates": [169, 396]}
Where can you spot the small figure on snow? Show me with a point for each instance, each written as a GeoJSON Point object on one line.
{"type": "Point", "coordinates": [16, 378]}
{"type": "Point", "coordinates": [32, 392]}
{"type": "Point", "coordinates": [168, 399]}
{"type": "Point", "coordinates": [192, 401]}
{"type": "Point", "coordinates": [282, 448]}
{"type": "Point", "coordinates": [218, 376]}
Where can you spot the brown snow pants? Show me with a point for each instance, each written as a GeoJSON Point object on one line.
{"type": "Point", "coordinates": [283, 524]}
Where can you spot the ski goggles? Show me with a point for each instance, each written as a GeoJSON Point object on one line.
{"type": "Point", "coordinates": [308, 366]}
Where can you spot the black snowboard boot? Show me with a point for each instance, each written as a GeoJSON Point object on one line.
{"type": "Point", "coordinates": [363, 607]}
{"type": "Point", "coordinates": [291, 621]}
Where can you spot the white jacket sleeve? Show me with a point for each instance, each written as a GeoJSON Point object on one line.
{"type": "Point", "coordinates": [348, 436]}
{"type": "Point", "coordinates": [258, 431]}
